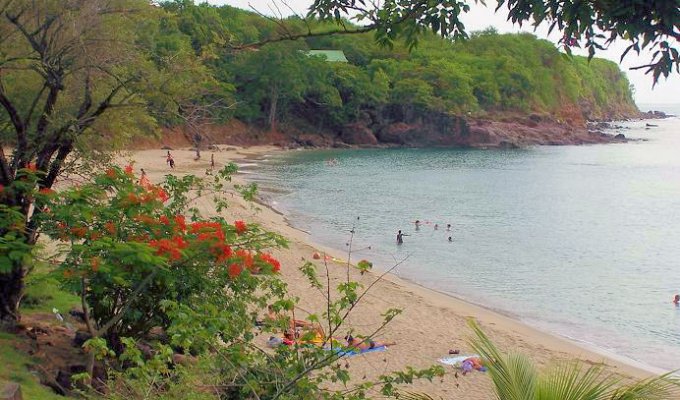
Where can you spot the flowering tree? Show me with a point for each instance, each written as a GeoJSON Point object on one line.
{"type": "Point", "coordinates": [131, 249]}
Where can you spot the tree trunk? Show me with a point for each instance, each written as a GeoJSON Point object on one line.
{"type": "Point", "coordinates": [11, 291]}
{"type": "Point", "coordinates": [273, 101]}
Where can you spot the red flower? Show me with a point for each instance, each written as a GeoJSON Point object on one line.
{"type": "Point", "coordinates": [79, 231]}
{"type": "Point", "coordinates": [163, 195]}
{"type": "Point", "coordinates": [223, 252]}
{"type": "Point", "coordinates": [128, 169]}
{"type": "Point", "coordinates": [132, 198]}
{"type": "Point", "coordinates": [267, 258]}
{"type": "Point", "coordinates": [180, 222]}
{"type": "Point", "coordinates": [235, 270]}
{"type": "Point", "coordinates": [111, 173]}
{"type": "Point", "coordinates": [246, 257]}
{"type": "Point", "coordinates": [180, 243]}
{"type": "Point", "coordinates": [164, 220]}
{"type": "Point", "coordinates": [32, 167]}
{"type": "Point", "coordinates": [46, 191]}
{"type": "Point", "coordinates": [110, 227]}
{"type": "Point", "coordinates": [95, 264]}
{"type": "Point", "coordinates": [240, 227]}
{"type": "Point", "coordinates": [167, 247]}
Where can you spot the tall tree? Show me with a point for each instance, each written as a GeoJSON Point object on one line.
{"type": "Point", "coordinates": [68, 70]}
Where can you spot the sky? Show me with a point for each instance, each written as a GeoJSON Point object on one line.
{"type": "Point", "coordinates": [481, 17]}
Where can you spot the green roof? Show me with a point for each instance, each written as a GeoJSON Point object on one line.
{"type": "Point", "coordinates": [331, 55]}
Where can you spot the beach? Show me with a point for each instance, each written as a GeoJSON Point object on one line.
{"type": "Point", "coordinates": [430, 324]}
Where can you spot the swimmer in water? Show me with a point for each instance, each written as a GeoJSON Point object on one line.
{"type": "Point", "coordinates": [417, 224]}
{"type": "Point", "coordinates": [450, 239]}
{"type": "Point", "coordinates": [400, 237]}
{"type": "Point", "coordinates": [676, 300]}
{"type": "Point", "coordinates": [436, 227]}
{"type": "Point", "coordinates": [448, 227]}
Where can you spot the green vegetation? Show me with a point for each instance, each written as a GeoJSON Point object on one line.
{"type": "Point", "coordinates": [515, 377]}
{"type": "Point", "coordinates": [15, 367]}
{"type": "Point", "coordinates": [489, 73]}
{"type": "Point", "coordinates": [651, 25]}
{"type": "Point", "coordinates": [82, 76]}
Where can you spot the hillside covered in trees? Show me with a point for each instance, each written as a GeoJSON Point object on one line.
{"type": "Point", "coordinates": [441, 93]}
{"type": "Point", "coordinates": [491, 90]}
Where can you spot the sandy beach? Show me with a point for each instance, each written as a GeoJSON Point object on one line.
{"type": "Point", "coordinates": [431, 323]}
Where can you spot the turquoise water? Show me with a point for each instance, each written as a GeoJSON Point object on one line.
{"type": "Point", "coordinates": [582, 241]}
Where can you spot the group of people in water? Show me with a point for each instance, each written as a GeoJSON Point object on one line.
{"type": "Point", "coordinates": [418, 223]}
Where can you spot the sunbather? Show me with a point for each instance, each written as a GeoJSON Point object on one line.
{"type": "Point", "coordinates": [365, 344]}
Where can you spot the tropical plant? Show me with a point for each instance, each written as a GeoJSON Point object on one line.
{"type": "Point", "coordinates": [515, 377]}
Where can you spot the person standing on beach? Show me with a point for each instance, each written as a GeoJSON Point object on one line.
{"type": "Point", "coordinates": [170, 161]}
{"type": "Point", "coordinates": [212, 161]}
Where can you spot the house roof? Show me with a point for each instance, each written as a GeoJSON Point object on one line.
{"type": "Point", "coordinates": [331, 55]}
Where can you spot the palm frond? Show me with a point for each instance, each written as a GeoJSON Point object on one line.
{"type": "Point", "coordinates": [568, 381]}
{"type": "Point", "coordinates": [514, 375]}
{"type": "Point", "coordinates": [663, 387]}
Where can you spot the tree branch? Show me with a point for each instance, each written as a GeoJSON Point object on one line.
{"type": "Point", "coordinates": [127, 304]}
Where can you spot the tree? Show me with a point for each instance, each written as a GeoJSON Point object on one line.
{"type": "Point", "coordinates": [270, 77]}
{"type": "Point", "coordinates": [593, 24]}
{"type": "Point", "coordinates": [68, 69]}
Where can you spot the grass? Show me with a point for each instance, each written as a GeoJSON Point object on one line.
{"type": "Point", "coordinates": [15, 367]}
{"type": "Point", "coordinates": [42, 295]}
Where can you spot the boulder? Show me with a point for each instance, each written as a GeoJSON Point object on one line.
{"type": "Point", "coordinates": [10, 391]}
{"type": "Point", "coordinates": [620, 136]}
{"type": "Point", "coordinates": [358, 134]}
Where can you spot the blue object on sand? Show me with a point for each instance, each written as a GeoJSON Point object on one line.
{"type": "Point", "coordinates": [354, 352]}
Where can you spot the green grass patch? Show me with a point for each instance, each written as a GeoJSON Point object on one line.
{"type": "Point", "coordinates": [15, 367]}
{"type": "Point", "coordinates": [43, 294]}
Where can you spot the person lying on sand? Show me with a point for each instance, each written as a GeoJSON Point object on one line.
{"type": "Point", "coordinates": [365, 344]}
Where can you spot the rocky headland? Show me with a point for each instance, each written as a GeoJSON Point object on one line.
{"type": "Point", "coordinates": [426, 130]}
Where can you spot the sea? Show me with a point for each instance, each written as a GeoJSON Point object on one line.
{"type": "Point", "coordinates": [579, 241]}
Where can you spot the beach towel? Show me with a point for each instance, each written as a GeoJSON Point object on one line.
{"type": "Point", "coordinates": [354, 352]}
{"type": "Point", "coordinates": [457, 360]}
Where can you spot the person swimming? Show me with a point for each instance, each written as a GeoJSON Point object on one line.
{"type": "Point", "coordinates": [417, 224]}
{"type": "Point", "coordinates": [450, 239]}
{"type": "Point", "coordinates": [436, 227]}
{"type": "Point", "coordinates": [400, 237]}
{"type": "Point", "coordinates": [676, 300]}
{"type": "Point", "coordinates": [448, 227]}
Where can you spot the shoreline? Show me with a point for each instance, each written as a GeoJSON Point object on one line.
{"type": "Point", "coordinates": [432, 322]}
{"type": "Point", "coordinates": [638, 368]}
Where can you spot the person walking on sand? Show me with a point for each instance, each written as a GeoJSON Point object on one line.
{"type": "Point", "coordinates": [212, 161]}
{"type": "Point", "coordinates": [170, 161]}
{"type": "Point", "coordinates": [400, 237]}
